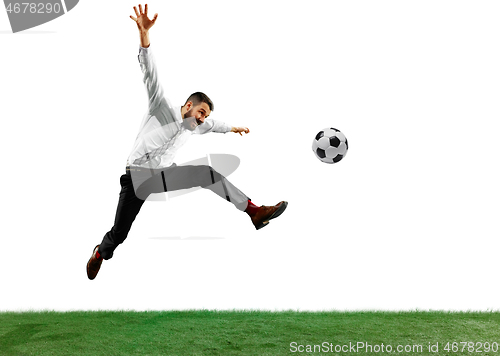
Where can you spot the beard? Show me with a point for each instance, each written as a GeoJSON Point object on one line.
{"type": "Point", "coordinates": [189, 122]}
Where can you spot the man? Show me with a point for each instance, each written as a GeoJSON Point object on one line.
{"type": "Point", "coordinates": [150, 167]}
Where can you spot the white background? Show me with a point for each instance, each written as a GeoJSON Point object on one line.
{"type": "Point", "coordinates": [408, 220]}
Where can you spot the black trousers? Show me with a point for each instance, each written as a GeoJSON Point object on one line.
{"type": "Point", "coordinates": [138, 183]}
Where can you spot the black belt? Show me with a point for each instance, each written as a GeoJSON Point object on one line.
{"type": "Point", "coordinates": [129, 169]}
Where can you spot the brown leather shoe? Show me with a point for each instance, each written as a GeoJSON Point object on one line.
{"type": "Point", "coordinates": [94, 264]}
{"type": "Point", "coordinates": [265, 213]}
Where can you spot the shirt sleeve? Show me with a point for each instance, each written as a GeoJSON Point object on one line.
{"type": "Point", "coordinates": [150, 78]}
{"type": "Point", "coordinates": [211, 125]}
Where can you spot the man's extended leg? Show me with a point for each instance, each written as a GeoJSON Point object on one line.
{"type": "Point", "coordinates": [260, 216]}
{"type": "Point", "coordinates": [184, 177]}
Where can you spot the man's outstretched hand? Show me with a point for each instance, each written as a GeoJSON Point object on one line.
{"type": "Point", "coordinates": [144, 24]}
{"type": "Point", "coordinates": [240, 130]}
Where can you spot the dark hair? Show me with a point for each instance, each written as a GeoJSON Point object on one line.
{"type": "Point", "coordinates": [198, 98]}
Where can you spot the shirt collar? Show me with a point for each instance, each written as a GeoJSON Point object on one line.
{"type": "Point", "coordinates": [178, 115]}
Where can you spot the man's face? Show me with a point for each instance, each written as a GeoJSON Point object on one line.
{"type": "Point", "coordinates": [196, 115]}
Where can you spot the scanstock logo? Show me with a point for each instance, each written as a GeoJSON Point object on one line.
{"type": "Point", "coordinates": [27, 14]}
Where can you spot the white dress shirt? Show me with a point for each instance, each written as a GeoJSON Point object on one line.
{"type": "Point", "coordinates": [162, 124]}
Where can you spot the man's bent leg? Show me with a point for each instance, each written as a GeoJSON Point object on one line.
{"type": "Point", "coordinates": [128, 208]}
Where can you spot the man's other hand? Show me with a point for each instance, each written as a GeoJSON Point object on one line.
{"type": "Point", "coordinates": [144, 24]}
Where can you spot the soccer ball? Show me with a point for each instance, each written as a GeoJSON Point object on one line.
{"type": "Point", "coordinates": [330, 145]}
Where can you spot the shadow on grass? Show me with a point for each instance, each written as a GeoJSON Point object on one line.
{"type": "Point", "coordinates": [25, 334]}
{"type": "Point", "coordinates": [191, 238]}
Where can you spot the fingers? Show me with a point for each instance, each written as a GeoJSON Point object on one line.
{"type": "Point", "coordinates": [140, 13]}
{"type": "Point", "coordinates": [242, 129]}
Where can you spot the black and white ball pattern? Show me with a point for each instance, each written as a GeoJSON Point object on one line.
{"type": "Point", "coordinates": [330, 145]}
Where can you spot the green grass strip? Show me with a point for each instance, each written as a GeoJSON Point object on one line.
{"type": "Point", "coordinates": [208, 332]}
